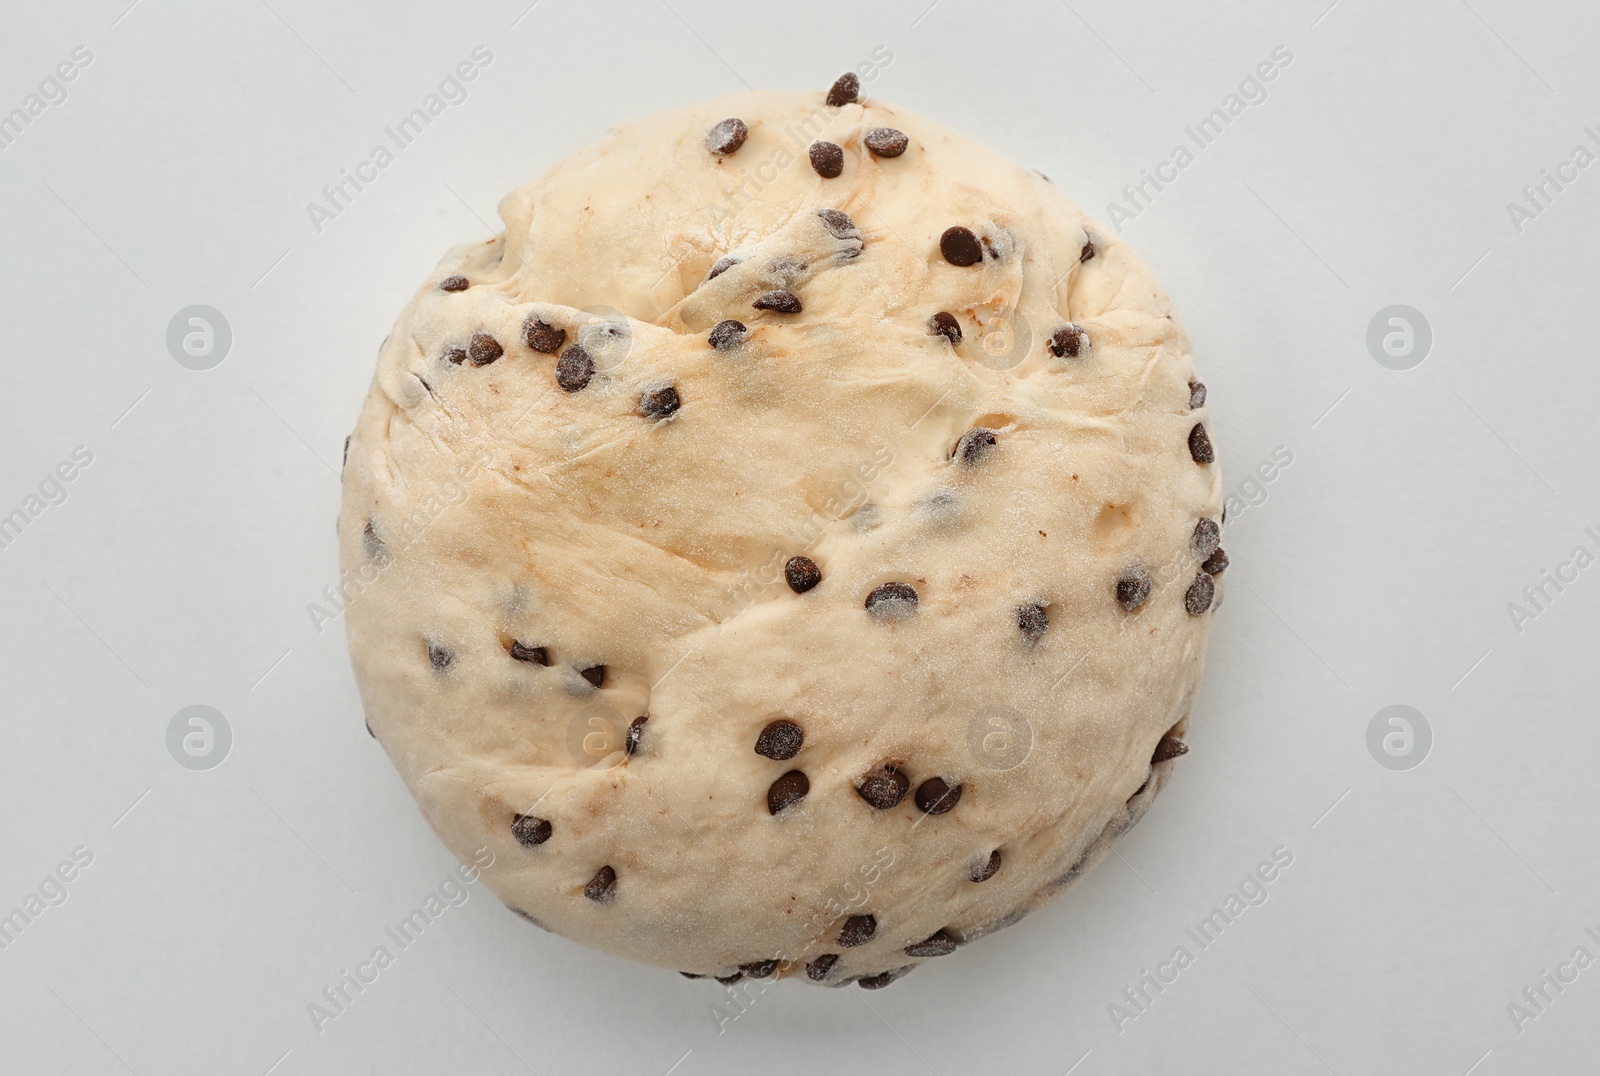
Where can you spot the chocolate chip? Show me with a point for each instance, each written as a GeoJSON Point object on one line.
{"type": "Point", "coordinates": [1197, 599]}
{"type": "Point", "coordinates": [484, 349]}
{"type": "Point", "coordinates": [727, 334]}
{"type": "Point", "coordinates": [345, 459]}
{"type": "Point", "coordinates": [1216, 563]}
{"type": "Point", "coordinates": [542, 337]}
{"type": "Point", "coordinates": [1200, 445]}
{"type": "Point", "coordinates": [690, 975]}
{"type": "Point", "coordinates": [760, 969]}
{"type": "Point", "coordinates": [945, 324]}
{"type": "Point", "coordinates": [374, 735]}
{"type": "Point", "coordinates": [1205, 538]}
{"type": "Point", "coordinates": [987, 871]}
{"type": "Point", "coordinates": [780, 740]}
{"type": "Point", "coordinates": [371, 544]}
{"type": "Point", "coordinates": [892, 599]}
{"type": "Point", "coordinates": [781, 301]}
{"type": "Point", "coordinates": [1133, 589]}
{"type": "Point", "coordinates": [630, 743]}
{"type": "Point", "coordinates": [845, 88]}
{"type": "Point", "coordinates": [455, 283]}
{"type": "Point", "coordinates": [729, 980]}
{"type": "Point", "coordinates": [801, 573]}
{"type": "Point", "coordinates": [530, 831]}
{"type": "Point", "coordinates": [602, 888]}
{"type": "Point", "coordinates": [723, 265]}
{"type": "Point", "coordinates": [974, 445]}
{"type": "Point", "coordinates": [1032, 620]}
{"type": "Point", "coordinates": [884, 788]}
{"type": "Point", "coordinates": [1169, 747]}
{"type": "Point", "coordinates": [533, 655]}
{"type": "Point", "coordinates": [839, 224]}
{"type": "Point", "coordinates": [886, 141]}
{"type": "Point", "coordinates": [439, 657]}
{"type": "Point", "coordinates": [818, 969]}
{"type": "Point", "coordinates": [595, 674]}
{"type": "Point", "coordinates": [1068, 341]}
{"type": "Point", "coordinates": [1197, 395]}
{"type": "Point", "coordinates": [939, 943]}
{"type": "Point", "coordinates": [857, 930]}
{"type": "Point", "coordinates": [658, 403]}
{"type": "Point", "coordinates": [877, 982]}
{"type": "Point", "coordinates": [960, 246]}
{"type": "Point", "coordinates": [787, 791]}
{"type": "Point", "coordinates": [574, 369]}
{"type": "Point", "coordinates": [727, 136]}
{"type": "Point", "coordinates": [827, 158]}
{"type": "Point", "coordinates": [455, 355]}
{"type": "Point", "coordinates": [935, 796]}
{"type": "Point", "coordinates": [1087, 252]}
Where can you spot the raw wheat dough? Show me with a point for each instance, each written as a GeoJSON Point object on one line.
{"type": "Point", "coordinates": [637, 530]}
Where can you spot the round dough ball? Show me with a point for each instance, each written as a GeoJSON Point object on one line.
{"type": "Point", "coordinates": [782, 560]}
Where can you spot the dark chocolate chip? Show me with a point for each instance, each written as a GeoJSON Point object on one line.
{"type": "Point", "coordinates": [780, 740]}
{"type": "Point", "coordinates": [781, 301]}
{"type": "Point", "coordinates": [1197, 599]}
{"type": "Point", "coordinates": [1032, 621]}
{"type": "Point", "coordinates": [690, 975]}
{"type": "Point", "coordinates": [1088, 251]}
{"type": "Point", "coordinates": [530, 831]}
{"type": "Point", "coordinates": [1197, 395]}
{"type": "Point", "coordinates": [827, 158]}
{"type": "Point", "coordinates": [439, 657]}
{"type": "Point", "coordinates": [839, 224]}
{"type": "Point", "coordinates": [1216, 563]}
{"type": "Point", "coordinates": [760, 969]}
{"type": "Point", "coordinates": [987, 871]}
{"type": "Point", "coordinates": [723, 265]}
{"type": "Point", "coordinates": [542, 337]}
{"type": "Point", "coordinates": [345, 459]}
{"type": "Point", "coordinates": [574, 369]}
{"type": "Point", "coordinates": [1206, 537]}
{"type": "Point", "coordinates": [877, 982]}
{"type": "Point", "coordinates": [818, 969]}
{"type": "Point", "coordinates": [787, 791]}
{"type": "Point", "coordinates": [630, 743]}
{"type": "Point", "coordinates": [801, 573]}
{"type": "Point", "coordinates": [483, 349]}
{"type": "Point", "coordinates": [845, 88]}
{"type": "Point", "coordinates": [602, 888]}
{"type": "Point", "coordinates": [727, 334]}
{"type": "Point", "coordinates": [974, 445]}
{"type": "Point", "coordinates": [936, 796]}
{"type": "Point", "coordinates": [892, 598]}
{"type": "Point", "coordinates": [886, 142]}
{"type": "Point", "coordinates": [455, 355]}
{"type": "Point", "coordinates": [727, 136]}
{"type": "Point", "coordinates": [1200, 445]}
{"type": "Point", "coordinates": [1133, 589]}
{"type": "Point", "coordinates": [960, 246]}
{"type": "Point", "coordinates": [455, 283]}
{"type": "Point", "coordinates": [1169, 747]}
{"type": "Point", "coordinates": [533, 655]}
{"type": "Point", "coordinates": [371, 544]}
{"type": "Point", "coordinates": [945, 324]}
{"type": "Point", "coordinates": [729, 980]}
{"type": "Point", "coordinates": [857, 930]}
{"type": "Point", "coordinates": [1068, 341]}
{"type": "Point", "coordinates": [884, 788]}
{"type": "Point", "coordinates": [938, 944]}
{"type": "Point", "coordinates": [595, 674]}
{"type": "Point", "coordinates": [658, 403]}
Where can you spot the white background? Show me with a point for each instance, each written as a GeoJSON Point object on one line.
{"type": "Point", "coordinates": [1378, 569]}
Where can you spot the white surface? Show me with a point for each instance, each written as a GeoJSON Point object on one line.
{"type": "Point", "coordinates": [1377, 571]}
